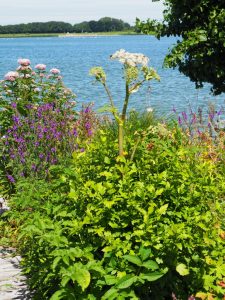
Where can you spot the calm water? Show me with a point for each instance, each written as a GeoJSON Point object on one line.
{"type": "Point", "coordinates": [75, 56]}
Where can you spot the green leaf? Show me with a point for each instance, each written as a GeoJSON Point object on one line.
{"type": "Point", "coordinates": [144, 253]}
{"type": "Point", "coordinates": [133, 259]}
{"type": "Point", "coordinates": [110, 279]}
{"type": "Point", "coordinates": [151, 276]}
{"type": "Point", "coordinates": [126, 281]}
{"type": "Point", "coordinates": [150, 264]}
{"type": "Point", "coordinates": [82, 277]}
{"type": "Point", "coordinates": [162, 210]}
{"type": "Point", "coordinates": [110, 294]}
{"type": "Point", "coordinates": [182, 269]}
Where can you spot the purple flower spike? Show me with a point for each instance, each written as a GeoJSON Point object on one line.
{"type": "Point", "coordinates": [11, 178]}
{"type": "Point", "coordinates": [13, 105]}
{"type": "Point", "coordinates": [87, 110]}
{"type": "Point", "coordinates": [179, 121]}
{"type": "Point", "coordinates": [184, 115]}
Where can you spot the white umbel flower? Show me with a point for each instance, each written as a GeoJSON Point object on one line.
{"type": "Point", "coordinates": [131, 59]}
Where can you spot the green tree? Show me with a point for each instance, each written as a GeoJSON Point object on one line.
{"type": "Point", "coordinates": [200, 51]}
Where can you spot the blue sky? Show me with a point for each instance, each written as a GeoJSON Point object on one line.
{"type": "Point", "coordinates": [75, 11]}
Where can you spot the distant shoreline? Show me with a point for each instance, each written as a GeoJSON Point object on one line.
{"type": "Point", "coordinates": [66, 35]}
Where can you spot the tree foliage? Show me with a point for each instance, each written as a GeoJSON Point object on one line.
{"type": "Point", "coordinates": [200, 51]}
{"type": "Point", "coordinates": [103, 24]}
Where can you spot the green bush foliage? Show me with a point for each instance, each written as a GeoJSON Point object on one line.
{"type": "Point", "coordinates": [111, 228]}
{"type": "Point", "coordinates": [137, 219]}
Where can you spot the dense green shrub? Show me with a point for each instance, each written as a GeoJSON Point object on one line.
{"type": "Point", "coordinates": [111, 228]}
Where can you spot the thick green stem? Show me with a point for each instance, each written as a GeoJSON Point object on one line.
{"type": "Point", "coordinates": [121, 137]}
{"type": "Point", "coordinates": [126, 100]}
{"type": "Point", "coordinates": [122, 121]}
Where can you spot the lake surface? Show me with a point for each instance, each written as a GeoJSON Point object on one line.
{"type": "Point", "coordinates": [75, 56]}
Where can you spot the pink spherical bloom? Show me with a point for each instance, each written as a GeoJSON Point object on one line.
{"type": "Point", "coordinates": [24, 62]}
{"type": "Point", "coordinates": [59, 77]}
{"type": "Point", "coordinates": [11, 76]}
{"type": "Point", "coordinates": [33, 73]}
{"type": "Point", "coordinates": [40, 67]}
{"type": "Point", "coordinates": [55, 71]}
{"type": "Point", "coordinates": [42, 75]}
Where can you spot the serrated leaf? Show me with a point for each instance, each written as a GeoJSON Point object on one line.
{"type": "Point", "coordinates": [151, 276]}
{"type": "Point", "coordinates": [126, 281]}
{"type": "Point", "coordinates": [182, 269]}
{"type": "Point", "coordinates": [133, 259]}
{"type": "Point", "coordinates": [162, 210]}
{"type": "Point", "coordinates": [150, 264]}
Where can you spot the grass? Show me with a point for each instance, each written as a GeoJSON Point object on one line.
{"type": "Point", "coordinates": [26, 35]}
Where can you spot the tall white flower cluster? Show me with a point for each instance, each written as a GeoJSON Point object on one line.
{"type": "Point", "coordinates": [131, 59]}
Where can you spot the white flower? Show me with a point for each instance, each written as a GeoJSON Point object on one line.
{"type": "Point", "coordinates": [131, 59]}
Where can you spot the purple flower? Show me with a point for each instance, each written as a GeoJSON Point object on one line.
{"type": "Point", "coordinates": [219, 112]}
{"type": "Point", "coordinates": [90, 132]}
{"type": "Point", "coordinates": [13, 104]}
{"type": "Point", "coordinates": [16, 119]}
{"type": "Point", "coordinates": [10, 178]}
{"type": "Point", "coordinates": [184, 115]}
{"type": "Point", "coordinates": [41, 155]}
{"type": "Point", "coordinates": [88, 125]}
{"type": "Point", "coordinates": [211, 116]}
{"type": "Point", "coordinates": [179, 121]}
{"type": "Point", "coordinates": [33, 167]}
{"type": "Point", "coordinates": [75, 132]}
{"type": "Point", "coordinates": [87, 110]}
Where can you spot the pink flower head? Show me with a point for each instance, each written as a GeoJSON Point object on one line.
{"type": "Point", "coordinates": [11, 76]}
{"type": "Point", "coordinates": [55, 71]}
{"type": "Point", "coordinates": [24, 62]}
{"type": "Point", "coordinates": [40, 67]}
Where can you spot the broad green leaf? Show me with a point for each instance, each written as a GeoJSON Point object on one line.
{"type": "Point", "coordinates": [182, 269]}
{"type": "Point", "coordinates": [144, 253]}
{"type": "Point", "coordinates": [57, 295]}
{"type": "Point", "coordinates": [110, 294]}
{"type": "Point", "coordinates": [110, 279]}
{"type": "Point", "coordinates": [151, 276]}
{"type": "Point", "coordinates": [55, 262]}
{"type": "Point", "coordinates": [150, 264]}
{"type": "Point", "coordinates": [82, 277]}
{"type": "Point", "coordinates": [126, 281]}
{"type": "Point", "coordinates": [133, 259]}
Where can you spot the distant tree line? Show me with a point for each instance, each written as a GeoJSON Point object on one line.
{"type": "Point", "coordinates": [102, 25]}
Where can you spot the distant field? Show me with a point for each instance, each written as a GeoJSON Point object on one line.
{"type": "Point", "coordinates": [19, 35]}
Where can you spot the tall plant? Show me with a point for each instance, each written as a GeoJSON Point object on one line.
{"type": "Point", "coordinates": [136, 73]}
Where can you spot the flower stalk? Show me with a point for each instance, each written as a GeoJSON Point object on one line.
{"type": "Point", "coordinates": [136, 71]}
